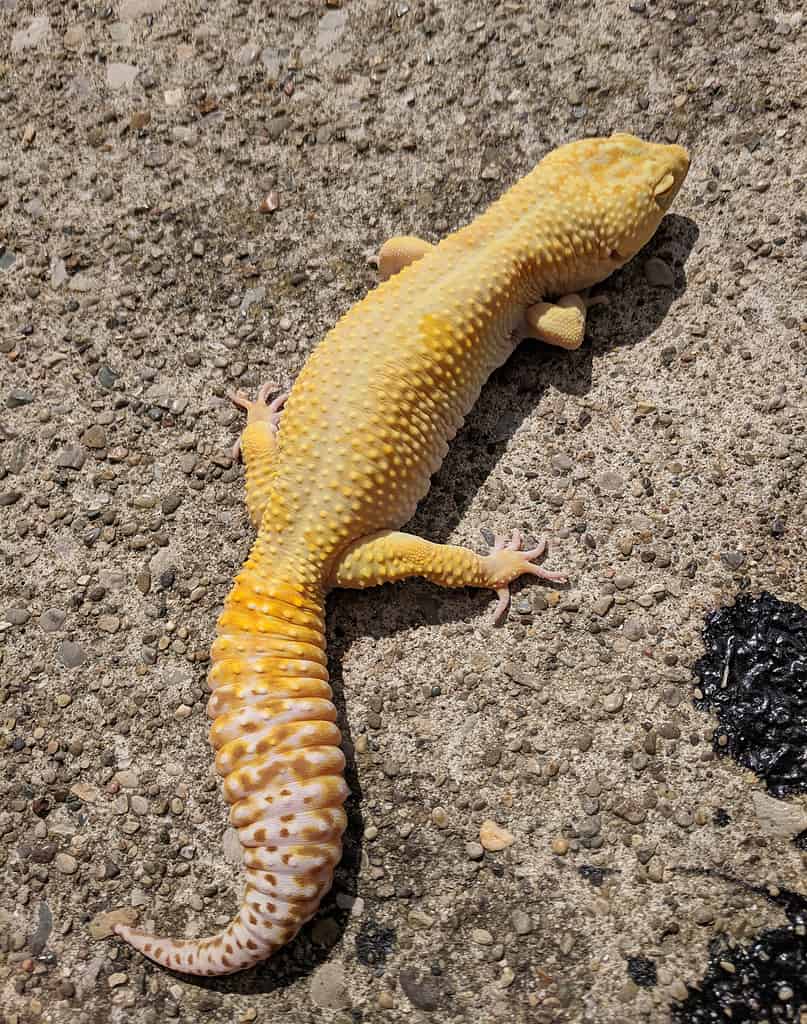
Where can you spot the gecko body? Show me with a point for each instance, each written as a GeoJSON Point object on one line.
{"type": "Point", "coordinates": [366, 425]}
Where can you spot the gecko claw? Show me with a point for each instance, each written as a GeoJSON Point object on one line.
{"type": "Point", "coordinates": [259, 410]}
{"type": "Point", "coordinates": [507, 562]}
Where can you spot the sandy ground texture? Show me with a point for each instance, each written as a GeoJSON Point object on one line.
{"type": "Point", "coordinates": [190, 195]}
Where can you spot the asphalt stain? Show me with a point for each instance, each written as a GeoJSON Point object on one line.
{"type": "Point", "coordinates": [374, 943]}
{"type": "Point", "coordinates": [642, 970]}
{"type": "Point", "coordinates": [764, 982]}
{"type": "Point", "coordinates": [753, 676]}
{"type": "Point", "coordinates": [596, 876]}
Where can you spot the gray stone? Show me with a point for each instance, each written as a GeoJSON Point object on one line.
{"type": "Point", "coordinates": [522, 922]}
{"type": "Point", "coordinates": [94, 437]}
{"type": "Point", "coordinates": [120, 33]}
{"type": "Point", "coordinates": [233, 851]}
{"type": "Point", "coordinates": [107, 377]}
{"type": "Point", "coordinates": [330, 26]}
{"type": "Point", "coordinates": [171, 502]}
{"type": "Point", "coordinates": [52, 619]}
{"type": "Point", "coordinates": [131, 9]}
{"type": "Point", "coordinates": [17, 616]}
{"type": "Point", "coordinates": [733, 559]}
{"type": "Point", "coordinates": [157, 156]}
{"type": "Point", "coordinates": [9, 498]}
{"type": "Point", "coordinates": [252, 297]}
{"type": "Point", "coordinates": [42, 853]}
{"type": "Point", "coordinates": [328, 989]}
{"type": "Point", "coordinates": [562, 463]}
{"type": "Point", "coordinates": [66, 864]}
{"type": "Point", "coordinates": [247, 54]}
{"type": "Point", "coordinates": [58, 272]}
{"type": "Point", "coordinates": [703, 915]}
{"type": "Point", "coordinates": [779, 817]}
{"type": "Point", "coordinates": [658, 273]}
{"type": "Point", "coordinates": [422, 991]}
{"type": "Point", "coordinates": [271, 61]}
{"type": "Point", "coordinates": [611, 482]}
{"type": "Point", "coordinates": [602, 605]}
{"type": "Point", "coordinates": [18, 397]}
{"type": "Point", "coordinates": [275, 126]}
{"type": "Point", "coordinates": [633, 629]}
{"type": "Point", "coordinates": [35, 208]}
{"type": "Point", "coordinates": [40, 937]}
{"type": "Point", "coordinates": [27, 38]}
{"type": "Point", "coordinates": [70, 654]}
{"type": "Point", "coordinates": [121, 76]}
{"type": "Point", "coordinates": [83, 283]}
{"type": "Point", "coordinates": [74, 37]}
{"type": "Point", "coordinates": [612, 702]}
{"type": "Point", "coordinates": [71, 457]}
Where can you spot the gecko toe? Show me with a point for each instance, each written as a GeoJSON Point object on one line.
{"type": "Point", "coordinates": [502, 604]}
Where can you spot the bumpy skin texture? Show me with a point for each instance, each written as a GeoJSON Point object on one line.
{"type": "Point", "coordinates": [366, 425]}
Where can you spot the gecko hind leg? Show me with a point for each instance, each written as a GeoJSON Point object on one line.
{"type": "Point", "coordinates": [389, 556]}
{"type": "Point", "coordinates": [398, 252]}
{"type": "Point", "coordinates": [256, 445]}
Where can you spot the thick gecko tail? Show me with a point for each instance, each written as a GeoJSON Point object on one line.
{"type": "Point", "coordinates": [278, 749]}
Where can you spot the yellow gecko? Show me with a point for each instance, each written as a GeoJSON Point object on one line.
{"type": "Point", "coordinates": [364, 428]}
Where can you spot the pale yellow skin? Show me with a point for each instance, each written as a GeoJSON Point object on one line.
{"type": "Point", "coordinates": [365, 427]}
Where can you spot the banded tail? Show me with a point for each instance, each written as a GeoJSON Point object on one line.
{"type": "Point", "coordinates": [278, 750]}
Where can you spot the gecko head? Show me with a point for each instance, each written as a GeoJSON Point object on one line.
{"type": "Point", "coordinates": [636, 183]}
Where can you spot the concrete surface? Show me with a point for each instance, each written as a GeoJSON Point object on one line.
{"type": "Point", "coordinates": [190, 194]}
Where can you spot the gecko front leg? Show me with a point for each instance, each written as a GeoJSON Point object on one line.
{"type": "Point", "coordinates": [256, 446]}
{"type": "Point", "coordinates": [561, 323]}
{"type": "Point", "coordinates": [389, 556]}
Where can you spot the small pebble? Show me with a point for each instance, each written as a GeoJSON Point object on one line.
{"type": "Point", "coordinates": [70, 654]}
{"type": "Point", "coordinates": [658, 273]}
{"type": "Point", "coordinates": [612, 702]}
{"type": "Point", "coordinates": [66, 864]}
{"type": "Point", "coordinates": [52, 619]}
{"type": "Point", "coordinates": [439, 817]}
{"type": "Point", "coordinates": [678, 990]}
{"type": "Point", "coordinates": [493, 837]}
{"type": "Point", "coordinates": [522, 922]}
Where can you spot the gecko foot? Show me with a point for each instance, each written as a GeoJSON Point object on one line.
{"type": "Point", "coordinates": [259, 410]}
{"type": "Point", "coordinates": [506, 562]}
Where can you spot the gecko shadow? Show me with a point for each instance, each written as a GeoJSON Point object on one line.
{"type": "Point", "coordinates": [512, 393]}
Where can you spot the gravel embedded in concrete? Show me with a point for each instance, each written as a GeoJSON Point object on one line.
{"type": "Point", "coordinates": [190, 196]}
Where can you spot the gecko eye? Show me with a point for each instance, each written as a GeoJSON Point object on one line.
{"type": "Point", "coordinates": [662, 191]}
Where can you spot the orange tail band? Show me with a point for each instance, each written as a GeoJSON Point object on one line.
{"type": "Point", "coordinates": [278, 749]}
